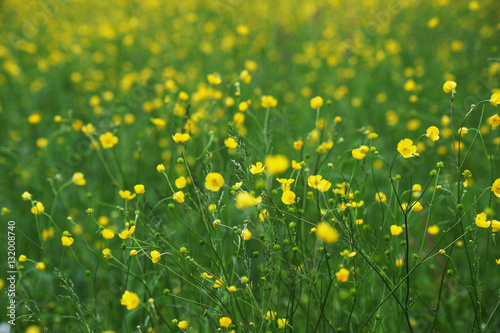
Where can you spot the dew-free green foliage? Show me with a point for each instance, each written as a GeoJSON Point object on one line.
{"type": "Point", "coordinates": [251, 166]}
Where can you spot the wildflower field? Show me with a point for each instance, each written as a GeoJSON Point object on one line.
{"type": "Point", "coordinates": [249, 166]}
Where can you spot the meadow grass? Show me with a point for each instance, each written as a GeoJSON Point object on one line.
{"type": "Point", "coordinates": [237, 166]}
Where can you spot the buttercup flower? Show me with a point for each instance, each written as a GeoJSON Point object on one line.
{"type": "Point", "coordinates": [495, 99]}
{"type": "Point", "coordinates": [22, 258]}
{"type": "Point", "coordinates": [432, 133]}
{"type": "Point", "coordinates": [358, 154]}
{"type": "Point", "coordinates": [257, 168]}
{"type": "Point", "coordinates": [494, 120]}
{"type": "Point", "coordinates": [155, 256]}
{"type": "Point", "coordinates": [225, 321]}
{"type": "Point", "coordinates": [449, 86]}
{"type": "Point", "coordinates": [246, 234]}
{"type": "Point", "coordinates": [214, 79]}
{"type": "Point", "coordinates": [178, 197]}
{"type": "Point", "coordinates": [230, 143]}
{"type": "Point", "coordinates": [396, 230]}
{"type": "Point", "coordinates": [406, 148]}
{"type": "Point", "coordinates": [26, 196]}
{"type": "Point", "coordinates": [316, 102]}
{"type": "Point", "coordinates": [160, 168]}
{"type": "Point", "coordinates": [139, 189]}
{"type": "Point", "coordinates": [297, 145]}
{"type": "Point", "coordinates": [380, 197]}
{"type": "Point", "coordinates": [268, 101]}
{"type": "Point", "coordinates": [181, 138]}
{"type": "Point", "coordinates": [481, 221]}
{"type": "Point", "coordinates": [327, 233]}
{"type": "Point", "coordinates": [288, 197]}
{"type": "Point", "coordinates": [214, 181]}
{"type": "Point", "coordinates": [282, 322]}
{"type": "Point", "coordinates": [127, 233]}
{"type": "Point", "coordinates": [107, 253]}
{"type": "Point", "coordinates": [38, 208]}
{"type": "Point", "coordinates": [285, 183]}
{"type": "Point", "coordinates": [40, 266]}
{"type": "Point", "coordinates": [342, 275]}
{"type": "Point", "coordinates": [107, 234]}
{"type": "Point", "coordinates": [78, 179]}
{"type": "Point", "coordinates": [67, 241]}
{"type": "Point", "coordinates": [495, 187]}
{"type": "Point", "coordinates": [108, 140]}
{"type": "Point", "coordinates": [244, 200]}
{"type": "Point", "coordinates": [180, 182]}
{"type": "Point", "coordinates": [130, 300]}
{"type": "Point", "coordinates": [126, 195]}
{"type": "Point", "coordinates": [276, 164]}
{"type": "Point", "coordinates": [433, 230]}
{"type": "Point", "coordinates": [182, 325]}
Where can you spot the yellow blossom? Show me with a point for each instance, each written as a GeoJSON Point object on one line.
{"type": "Point", "coordinates": [178, 197]}
{"type": "Point", "coordinates": [417, 207]}
{"type": "Point", "coordinates": [37, 208]}
{"type": "Point", "coordinates": [230, 143]}
{"type": "Point", "coordinates": [449, 86]}
{"type": "Point", "coordinates": [432, 133]}
{"type": "Point", "coordinates": [481, 221]}
{"type": "Point", "coordinates": [26, 196]}
{"type": "Point", "coordinates": [494, 120]}
{"type": "Point", "coordinates": [127, 233]}
{"type": "Point", "coordinates": [297, 145]}
{"type": "Point", "coordinates": [316, 102]}
{"type": "Point", "coordinates": [126, 194]}
{"type": "Point", "coordinates": [276, 164]}
{"type": "Point", "coordinates": [182, 325]}
{"type": "Point", "coordinates": [285, 183]}
{"type": "Point", "coordinates": [433, 230]}
{"type": "Point", "coordinates": [268, 101]}
{"type": "Point", "coordinates": [214, 181]}
{"type": "Point", "coordinates": [139, 189]}
{"type": "Point", "coordinates": [107, 234]}
{"type": "Point", "coordinates": [342, 275]}
{"type": "Point", "coordinates": [296, 166]}
{"type": "Point", "coordinates": [396, 230]}
{"type": "Point", "coordinates": [225, 321]}
{"type": "Point", "coordinates": [181, 138]}
{"type": "Point", "coordinates": [107, 253]}
{"type": "Point", "coordinates": [67, 241]}
{"type": "Point", "coordinates": [244, 200]}
{"type": "Point", "coordinates": [155, 256]}
{"type": "Point", "coordinates": [282, 322]}
{"type": "Point", "coordinates": [246, 234]}
{"type": "Point", "coordinates": [40, 266]}
{"type": "Point", "coordinates": [495, 99]}
{"type": "Point", "coordinates": [180, 182]}
{"type": "Point", "coordinates": [214, 79]}
{"type": "Point", "coordinates": [327, 233]}
{"type": "Point", "coordinates": [495, 225]}
{"type": "Point", "coordinates": [257, 168]}
{"type": "Point", "coordinates": [243, 106]}
{"type": "Point", "coordinates": [108, 140]}
{"type": "Point", "coordinates": [130, 300]}
{"type": "Point", "coordinates": [78, 179]}
{"type": "Point", "coordinates": [406, 148]}
{"type": "Point", "coordinates": [288, 197]}
{"type": "Point", "coordinates": [495, 187]}
{"type": "Point", "coordinates": [160, 168]}
{"type": "Point", "coordinates": [357, 154]}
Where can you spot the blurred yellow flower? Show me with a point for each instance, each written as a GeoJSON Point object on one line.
{"type": "Point", "coordinates": [108, 140]}
{"type": "Point", "coordinates": [78, 179]}
{"type": "Point", "coordinates": [160, 168]}
{"type": "Point", "coordinates": [396, 230]}
{"type": "Point", "coordinates": [155, 256]}
{"type": "Point", "coordinates": [127, 233]}
{"type": "Point", "coordinates": [342, 275]}
{"type": "Point", "coordinates": [288, 197]}
{"type": "Point", "coordinates": [432, 133]}
{"type": "Point", "coordinates": [182, 325]}
{"type": "Point", "coordinates": [126, 194]}
{"type": "Point", "coordinates": [178, 197]}
{"type": "Point", "coordinates": [230, 143]}
{"type": "Point", "coordinates": [433, 230]}
{"type": "Point", "coordinates": [495, 99]}
{"type": "Point", "coordinates": [67, 241]}
{"type": "Point", "coordinates": [225, 321]}
{"type": "Point", "coordinates": [26, 196]}
{"type": "Point", "coordinates": [449, 86]}
{"type": "Point", "coordinates": [244, 200]}
{"type": "Point", "coordinates": [37, 208]}
{"type": "Point", "coordinates": [246, 234]}
{"type": "Point", "coordinates": [130, 300]}
{"type": "Point", "coordinates": [297, 145]}
{"type": "Point", "coordinates": [257, 168]}
{"type": "Point", "coordinates": [107, 233]}
{"type": "Point", "coordinates": [180, 182]}
{"type": "Point", "coordinates": [40, 266]}
{"type": "Point", "coordinates": [316, 102]}
{"type": "Point", "coordinates": [107, 253]}
{"type": "Point", "coordinates": [181, 138]}
{"type": "Point", "coordinates": [495, 187]}
{"type": "Point", "coordinates": [139, 189]}
{"type": "Point", "coordinates": [327, 233]}
{"type": "Point", "coordinates": [268, 101]}
{"type": "Point", "coordinates": [481, 221]}
{"type": "Point", "coordinates": [494, 120]}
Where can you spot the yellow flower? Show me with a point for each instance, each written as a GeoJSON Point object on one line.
{"type": "Point", "coordinates": [288, 197]}
{"type": "Point", "coordinates": [244, 200]}
{"type": "Point", "coordinates": [183, 96]}
{"type": "Point", "coordinates": [133, 253]}
{"type": "Point", "coordinates": [495, 225]}
{"type": "Point", "coordinates": [26, 196]}
{"type": "Point", "coordinates": [243, 106]}
{"type": "Point", "coordinates": [182, 325]}
{"type": "Point", "coordinates": [433, 230]}
{"type": "Point", "coordinates": [127, 195]}
{"type": "Point", "coordinates": [495, 188]}
{"type": "Point", "coordinates": [108, 140]}
{"type": "Point", "coordinates": [327, 233]}
{"type": "Point", "coordinates": [297, 145]}
{"type": "Point", "coordinates": [257, 168]}
{"type": "Point", "coordinates": [214, 79]}
{"type": "Point", "coordinates": [268, 101]}
{"type": "Point", "coordinates": [218, 283]}
{"type": "Point", "coordinates": [181, 138]}
{"type": "Point", "coordinates": [296, 166]}
{"type": "Point", "coordinates": [40, 266]}
{"type": "Point", "coordinates": [497, 261]}
{"type": "Point", "coordinates": [107, 234]}
{"type": "Point", "coordinates": [107, 253]}
{"type": "Point", "coordinates": [276, 164]}
{"type": "Point", "coordinates": [130, 300]}
{"type": "Point", "coordinates": [399, 262]}
{"type": "Point", "coordinates": [481, 221]}
{"type": "Point", "coordinates": [406, 148]}
{"type": "Point", "coordinates": [38, 208]}
{"type": "Point", "coordinates": [88, 129]}
{"type": "Point", "coordinates": [155, 256]}
{"type": "Point", "coordinates": [449, 86]}
{"type": "Point", "coordinates": [285, 183]}
{"type": "Point", "coordinates": [357, 154]}
{"type": "Point", "coordinates": [316, 102]}
{"type": "Point", "coordinates": [270, 315]}
{"type": "Point", "coordinates": [324, 185]}
{"type": "Point", "coordinates": [282, 322]}
{"type": "Point", "coordinates": [380, 197]}
{"type": "Point", "coordinates": [35, 118]}
{"type": "Point", "coordinates": [180, 182]}
{"type": "Point", "coordinates": [225, 321]}
{"type": "Point", "coordinates": [463, 131]}
{"type": "Point", "coordinates": [178, 197]}
{"type": "Point", "coordinates": [494, 120]}
{"type": "Point", "coordinates": [127, 233]}
{"type": "Point", "coordinates": [22, 258]}
{"type": "Point", "coordinates": [417, 207]}
{"type": "Point", "coordinates": [314, 180]}
{"type": "Point", "coordinates": [432, 133]}
{"type": "Point", "coordinates": [246, 234]}
{"type": "Point", "coordinates": [264, 215]}
{"type": "Point", "coordinates": [396, 230]}
{"type": "Point", "coordinates": [230, 143]}
{"type": "Point", "coordinates": [139, 189]}
{"type": "Point", "coordinates": [342, 275]}
{"type": "Point", "coordinates": [214, 181]}
{"type": "Point", "coordinates": [160, 123]}
{"type": "Point", "coordinates": [212, 208]}
{"type": "Point", "coordinates": [78, 179]}
{"type": "Point", "coordinates": [232, 289]}
{"type": "Point", "coordinates": [67, 241]}
{"type": "Point", "coordinates": [495, 99]}
{"type": "Point", "coordinates": [160, 168]}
